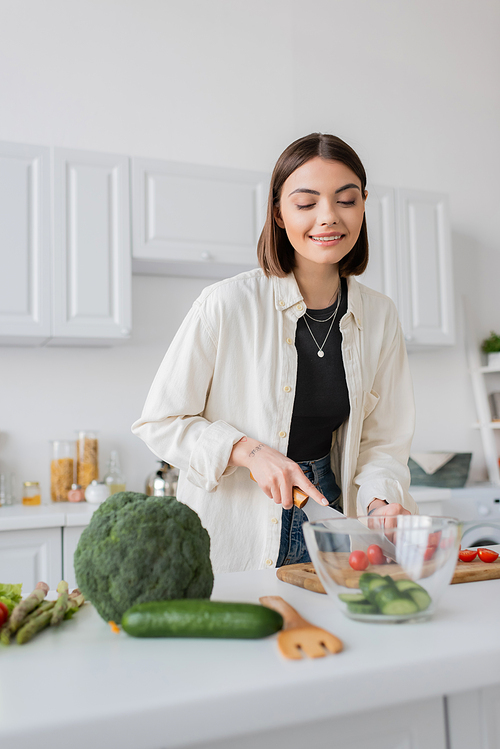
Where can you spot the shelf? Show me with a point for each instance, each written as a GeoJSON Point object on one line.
{"type": "Point", "coordinates": [488, 425]}
{"type": "Point", "coordinates": [489, 370]}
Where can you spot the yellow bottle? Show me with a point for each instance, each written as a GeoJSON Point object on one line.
{"type": "Point", "coordinates": [31, 493]}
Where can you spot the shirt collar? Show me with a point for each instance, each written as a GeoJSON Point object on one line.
{"type": "Point", "coordinates": [287, 293]}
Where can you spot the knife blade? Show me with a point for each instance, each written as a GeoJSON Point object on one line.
{"type": "Point", "coordinates": [360, 536]}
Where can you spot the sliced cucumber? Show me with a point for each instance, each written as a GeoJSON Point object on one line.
{"type": "Point", "coordinates": [352, 597]}
{"type": "Point", "coordinates": [384, 595]}
{"type": "Point", "coordinates": [399, 606]}
{"type": "Point", "coordinates": [376, 586]}
{"type": "Point", "coordinates": [362, 607]}
{"type": "Point", "coordinates": [420, 597]}
{"type": "Point", "coordinates": [406, 584]}
{"type": "Point", "coordinates": [366, 578]}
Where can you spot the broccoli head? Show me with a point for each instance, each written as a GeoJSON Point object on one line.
{"type": "Point", "coordinates": [137, 549]}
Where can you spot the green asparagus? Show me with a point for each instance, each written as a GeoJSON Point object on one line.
{"type": "Point", "coordinates": [61, 605]}
{"type": "Point", "coordinates": [30, 629]}
{"type": "Point", "coordinates": [26, 606]}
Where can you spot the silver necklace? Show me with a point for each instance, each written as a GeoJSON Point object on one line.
{"type": "Point", "coordinates": [321, 353]}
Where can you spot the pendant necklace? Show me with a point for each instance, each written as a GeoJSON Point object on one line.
{"type": "Point", "coordinates": [321, 353]}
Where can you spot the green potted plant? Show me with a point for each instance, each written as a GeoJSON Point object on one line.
{"type": "Point", "coordinates": [491, 347]}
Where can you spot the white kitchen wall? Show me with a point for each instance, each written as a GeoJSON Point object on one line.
{"type": "Point", "coordinates": [414, 87]}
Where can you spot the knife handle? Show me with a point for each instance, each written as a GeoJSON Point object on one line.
{"type": "Point", "coordinates": [299, 497]}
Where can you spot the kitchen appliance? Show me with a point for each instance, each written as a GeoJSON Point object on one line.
{"type": "Point", "coordinates": [163, 481]}
{"type": "Point", "coordinates": [477, 507]}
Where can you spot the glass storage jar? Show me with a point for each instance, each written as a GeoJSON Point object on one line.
{"type": "Point", "coordinates": [31, 493]}
{"type": "Point", "coordinates": [87, 458]}
{"type": "Point", "coordinates": [62, 467]}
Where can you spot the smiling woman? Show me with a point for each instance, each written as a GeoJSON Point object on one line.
{"type": "Point", "coordinates": [294, 371]}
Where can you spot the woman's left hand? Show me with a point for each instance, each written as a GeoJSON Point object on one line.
{"type": "Point", "coordinates": [388, 510]}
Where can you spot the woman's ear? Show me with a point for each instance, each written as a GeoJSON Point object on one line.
{"type": "Point", "coordinates": [277, 217]}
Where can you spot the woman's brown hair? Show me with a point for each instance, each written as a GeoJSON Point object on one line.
{"type": "Point", "coordinates": [274, 251]}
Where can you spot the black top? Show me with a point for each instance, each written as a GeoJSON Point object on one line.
{"type": "Point", "coordinates": [321, 397]}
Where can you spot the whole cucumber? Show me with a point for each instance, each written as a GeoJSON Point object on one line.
{"type": "Point", "coordinates": [191, 617]}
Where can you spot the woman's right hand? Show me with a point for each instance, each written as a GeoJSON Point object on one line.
{"type": "Point", "coordinates": [274, 473]}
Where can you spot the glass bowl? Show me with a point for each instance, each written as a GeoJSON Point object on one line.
{"type": "Point", "coordinates": [379, 569]}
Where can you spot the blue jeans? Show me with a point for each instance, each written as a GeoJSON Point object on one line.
{"type": "Point", "coordinates": [293, 549]}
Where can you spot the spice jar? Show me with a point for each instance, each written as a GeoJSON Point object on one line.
{"type": "Point", "coordinates": [76, 493]}
{"type": "Point", "coordinates": [31, 493]}
{"type": "Point", "coordinates": [87, 460]}
{"type": "Point", "coordinates": [62, 468]}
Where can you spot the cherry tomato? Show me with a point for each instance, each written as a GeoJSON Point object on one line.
{"type": "Point", "coordinates": [487, 555]}
{"type": "Point", "coordinates": [4, 613]}
{"type": "Point", "coordinates": [358, 560]}
{"type": "Point", "coordinates": [467, 555]}
{"type": "Point", "coordinates": [375, 554]}
{"type": "Point", "coordinates": [429, 553]}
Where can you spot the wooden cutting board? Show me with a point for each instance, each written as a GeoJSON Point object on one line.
{"type": "Point", "coordinates": [304, 575]}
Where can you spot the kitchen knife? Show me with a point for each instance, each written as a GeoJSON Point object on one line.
{"type": "Point", "coordinates": [360, 537]}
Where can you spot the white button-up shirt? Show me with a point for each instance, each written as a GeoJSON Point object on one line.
{"type": "Point", "coordinates": [231, 371]}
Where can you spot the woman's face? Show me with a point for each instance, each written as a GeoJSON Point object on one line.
{"type": "Point", "coordinates": [321, 209]}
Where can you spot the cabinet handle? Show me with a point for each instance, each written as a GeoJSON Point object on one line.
{"type": "Point", "coordinates": [408, 338]}
{"type": "Point", "coordinates": [205, 255]}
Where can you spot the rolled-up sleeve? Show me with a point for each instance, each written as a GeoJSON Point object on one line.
{"type": "Point", "coordinates": [389, 422]}
{"type": "Point", "coordinates": [172, 422]}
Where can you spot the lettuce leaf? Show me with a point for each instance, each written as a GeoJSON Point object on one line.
{"type": "Point", "coordinates": [12, 592]}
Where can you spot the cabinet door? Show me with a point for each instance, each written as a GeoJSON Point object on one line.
{"type": "Point", "coordinates": [474, 719]}
{"type": "Point", "coordinates": [92, 260]}
{"type": "Point", "coordinates": [426, 278]}
{"type": "Point", "coordinates": [191, 220]}
{"type": "Point", "coordinates": [382, 271]}
{"type": "Point", "coordinates": [24, 244]}
{"type": "Point", "coordinates": [71, 536]}
{"type": "Point", "coordinates": [417, 725]}
{"type": "Point", "coordinates": [30, 556]}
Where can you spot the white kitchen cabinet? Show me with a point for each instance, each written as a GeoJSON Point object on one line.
{"type": "Point", "coordinates": [71, 285]}
{"type": "Point", "coordinates": [382, 271]}
{"type": "Point", "coordinates": [426, 277]}
{"type": "Point", "coordinates": [25, 254]}
{"type": "Point", "coordinates": [474, 719]}
{"type": "Point", "coordinates": [419, 725]}
{"type": "Point", "coordinates": [28, 556]}
{"type": "Point", "coordinates": [410, 261]}
{"type": "Point", "coordinates": [92, 263]}
{"type": "Point", "coordinates": [195, 220]}
{"type": "Point", "coordinates": [71, 536]}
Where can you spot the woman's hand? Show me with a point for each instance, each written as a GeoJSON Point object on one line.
{"type": "Point", "coordinates": [388, 510]}
{"type": "Point", "coordinates": [274, 473]}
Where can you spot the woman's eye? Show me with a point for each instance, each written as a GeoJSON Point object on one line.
{"type": "Point", "coordinates": [309, 205]}
{"type": "Point", "coordinates": [346, 202]}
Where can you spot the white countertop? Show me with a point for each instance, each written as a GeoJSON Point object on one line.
{"type": "Point", "coordinates": [114, 690]}
{"type": "Point", "coordinates": [61, 514]}
{"type": "Point", "coordinates": [57, 515]}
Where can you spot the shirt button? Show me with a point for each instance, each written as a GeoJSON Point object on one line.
{"type": "Point", "coordinates": [282, 434]}
{"type": "Point", "coordinates": [269, 562]}
{"type": "Point", "coordinates": [274, 520]}
{"type": "Point", "coordinates": [287, 388]}
{"type": "Point", "coordinates": [281, 303]}
{"type": "Point", "coordinates": [300, 307]}
{"type": "Point", "coordinates": [289, 340]}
